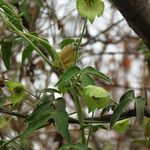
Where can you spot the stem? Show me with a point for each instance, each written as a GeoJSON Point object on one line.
{"type": "Point", "coordinates": [53, 51]}
{"type": "Point", "coordinates": [79, 113]}
{"type": "Point", "coordinates": [90, 128]}
{"type": "Point", "coordinates": [80, 40]}
{"type": "Point", "coordinates": [24, 35]}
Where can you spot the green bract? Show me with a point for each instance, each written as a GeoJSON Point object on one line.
{"type": "Point", "coordinates": [17, 90]}
{"type": "Point", "coordinates": [95, 97]}
{"type": "Point", "coordinates": [90, 8]}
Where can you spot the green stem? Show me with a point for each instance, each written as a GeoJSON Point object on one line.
{"type": "Point", "coordinates": [53, 51]}
{"type": "Point", "coordinates": [79, 113]}
{"type": "Point", "coordinates": [26, 35]}
{"type": "Point", "coordinates": [80, 40]}
{"type": "Point", "coordinates": [90, 129]}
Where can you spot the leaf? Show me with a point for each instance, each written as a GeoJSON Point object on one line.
{"type": "Point", "coordinates": [35, 124]}
{"type": "Point", "coordinates": [47, 47]}
{"type": "Point", "coordinates": [69, 74]}
{"type": "Point", "coordinates": [12, 14]}
{"type": "Point", "coordinates": [93, 71]}
{"type": "Point", "coordinates": [90, 8]}
{"type": "Point", "coordinates": [125, 100]}
{"type": "Point", "coordinates": [121, 126]}
{"type": "Point", "coordinates": [77, 146]}
{"type": "Point", "coordinates": [144, 142]}
{"type": "Point", "coordinates": [147, 128]}
{"type": "Point", "coordinates": [140, 106]}
{"type": "Point", "coordinates": [95, 97]}
{"type": "Point", "coordinates": [27, 52]}
{"type": "Point", "coordinates": [40, 116]}
{"type": "Point", "coordinates": [66, 42]}
{"type": "Point", "coordinates": [6, 47]}
{"type": "Point", "coordinates": [129, 94]}
{"type": "Point", "coordinates": [61, 120]}
{"type": "Point", "coordinates": [40, 110]}
{"type": "Point", "coordinates": [64, 87]}
{"type": "Point", "coordinates": [43, 43]}
{"type": "Point", "coordinates": [87, 80]}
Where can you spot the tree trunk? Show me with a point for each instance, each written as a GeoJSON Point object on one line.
{"type": "Point", "coordinates": [137, 14]}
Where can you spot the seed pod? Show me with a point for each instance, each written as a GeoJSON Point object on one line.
{"type": "Point", "coordinates": [67, 56]}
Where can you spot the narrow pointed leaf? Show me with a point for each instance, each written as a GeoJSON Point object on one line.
{"type": "Point", "coordinates": [66, 42]}
{"type": "Point", "coordinates": [6, 47]}
{"type": "Point", "coordinates": [87, 80]}
{"type": "Point", "coordinates": [27, 52]}
{"type": "Point", "coordinates": [126, 99]}
{"type": "Point", "coordinates": [92, 71]}
{"type": "Point", "coordinates": [61, 120]}
{"type": "Point", "coordinates": [12, 14]}
{"type": "Point", "coordinates": [69, 74]}
{"type": "Point", "coordinates": [35, 124]}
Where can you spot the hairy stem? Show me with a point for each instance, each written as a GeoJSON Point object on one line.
{"type": "Point", "coordinates": [79, 113]}
{"type": "Point", "coordinates": [90, 128]}
{"type": "Point", "coordinates": [80, 40]}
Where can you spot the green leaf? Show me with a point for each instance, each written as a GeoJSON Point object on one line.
{"type": "Point", "coordinates": [66, 42]}
{"type": "Point", "coordinates": [43, 43]}
{"type": "Point", "coordinates": [92, 71]}
{"type": "Point", "coordinates": [40, 115]}
{"type": "Point", "coordinates": [35, 124]}
{"type": "Point", "coordinates": [125, 100]}
{"type": "Point", "coordinates": [144, 142]}
{"type": "Point", "coordinates": [27, 52]}
{"type": "Point", "coordinates": [77, 146]}
{"type": "Point", "coordinates": [17, 90]}
{"type": "Point", "coordinates": [121, 126]}
{"type": "Point", "coordinates": [12, 14]}
{"type": "Point", "coordinates": [147, 128]}
{"type": "Point", "coordinates": [128, 95]}
{"type": "Point", "coordinates": [140, 105]}
{"type": "Point", "coordinates": [6, 47]}
{"type": "Point", "coordinates": [64, 87]}
{"type": "Point", "coordinates": [40, 110]}
{"type": "Point", "coordinates": [95, 97]}
{"type": "Point", "coordinates": [48, 47]}
{"type": "Point", "coordinates": [69, 74]}
{"type": "Point", "coordinates": [61, 120]}
{"type": "Point", "coordinates": [87, 80]}
{"type": "Point", "coordinates": [90, 8]}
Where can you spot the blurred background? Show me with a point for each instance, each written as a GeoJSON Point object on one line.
{"type": "Point", "coordinates": [109, 45]}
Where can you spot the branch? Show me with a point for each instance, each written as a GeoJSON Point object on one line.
{"type": "Point", "coordinates": [126, 114]}
{"type": "Point", "coordinates": [102, 119]}
{"type": "Point", "coordinates": [5, 111]}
